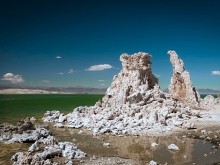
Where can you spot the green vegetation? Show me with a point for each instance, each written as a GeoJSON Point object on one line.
{"type": "Point", "coordinates": [16, 107]}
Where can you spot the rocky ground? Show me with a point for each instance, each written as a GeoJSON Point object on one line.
{"type": "Point", "coordinates": [111, 149]}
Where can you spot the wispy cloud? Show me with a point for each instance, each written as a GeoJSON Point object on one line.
{"type": "Point", "coordinates": [99, 67]}
{"type": "Point", "coordinates": [102, 84]}
{"type": "Point", "coordinates": [46, 81]}
{"type": "Point", "coordinates": [101, 80]}
{"type": "Point", "coordinates": [61, 73]}
{"type": "Point", "coordinates": [58, 57]}
{"type": "Point", "coordinates": [157, 75]}
{"type": "Point", "coordinates": [14, 79]}
{"type": "Point", "coordinates": [70, 71]}
{"type": "Point", "coordinates": [216, 72]}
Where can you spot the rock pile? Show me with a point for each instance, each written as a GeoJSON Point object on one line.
{"type": "Point", "coordinates": [44, 145]}
{"type": "Point", "coordinates": [23, 132]}
{"type": "Point", "coordinates": [134, 103]}
{"type": "Point", "coordinates": [181, 86]}
{"type": "Point", "coordinates": [209, 101]}
{"type": "Point", "coordinates": [44, 149]}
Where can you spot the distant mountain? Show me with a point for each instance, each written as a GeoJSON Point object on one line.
{"type": "Point", "coordinates": [77, 90]}
{"type": "Point", "coordinates": [202, 91]}
{"type": "Point", "coordinates": [73, 90]}
{"type": "Point", "coordinates": [208, 91]}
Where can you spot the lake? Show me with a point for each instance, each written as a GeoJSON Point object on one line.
{"type": "Point", "coordinates": [19, 106]}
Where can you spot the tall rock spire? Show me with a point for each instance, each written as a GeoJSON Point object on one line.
{"type": "Point", "coordinates": [181, 86]}
{"type": "Point", "coordinates": [131, 84]}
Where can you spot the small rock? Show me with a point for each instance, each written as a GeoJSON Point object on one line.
{"type": "Point", "coordinates": [210, 132]}
{"type": "Point", "coordinates": [80, 132]}
{"type": "Point", "coordinates": [59, 125]}
{"type": "Point", "coordinates": [154, 144]}
{"type": "Point", "coordinates": [203, 131]}
{"type": "Point", "coordinates": [173, 147]}
{"type": "Point", "coordinates": [152, 162]}
{"type": "Point", "coordinates": [185, 156]}
{"type": "Point", "coordinates": [106, 144]}
{"type": "Point", "coordinates": [33, 119]}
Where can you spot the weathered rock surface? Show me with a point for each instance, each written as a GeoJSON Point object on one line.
{"type": "Point", "coordinates": [23, 132]}
{"type": "Point", "coordinates": [44, 149]}
{"type": "Point", "coordinates": [129, 86]}
{"type": "Point", "coordinates": [181, 86]}
{"type": "Point", "coordinates": [152, 162]}
{"type": "Point", "coordinates": [133, 104]}
{"type": "Point", "coordinates": [209, 101]}
{"type": "Point", "coordinates": [44, 145]}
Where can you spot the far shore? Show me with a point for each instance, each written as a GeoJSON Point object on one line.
{"type": "Point", "coordinates": [39, 91]}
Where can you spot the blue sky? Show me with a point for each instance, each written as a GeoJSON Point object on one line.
{"type": "Point", "coordinates": [84, 33]}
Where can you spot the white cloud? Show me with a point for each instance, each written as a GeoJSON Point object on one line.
{"type": "Point", "coordinates": [70, 71]}
{"type": "Point", "coordinates": [14, 79]}
{"type": "Point", "coordinates": [46, 81]}
{"type": "Point", "coordinates": [157, 75]}
{"type": "Point", "coordinates": [61, 73]}
{"type": "Point", "coordinates": [216, 72]}
{"type": "Point", "coordinates": [102, 84]}
{"type": "Point", "coordinates": [99, 67]}
{"type": "Point", "coordinates": [58, 57]}
{"type": "Point", "coordinates": [101, 80]}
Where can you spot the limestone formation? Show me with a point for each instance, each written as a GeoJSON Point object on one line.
{"type": "Point", "coordinates": [135, 78]}
{"type": "Point", "coordinates": [23, 132]}
{"type": "Point", "coordinates": [133, 104]}
{"type": "Point", "coordinates": [209, 102]}
{"type": "Point", "coordinates": [181, 87]}
{"type": "Point", "coordinates": [44, 145]}
{"type": "Point", "coordinates": [44, 149]}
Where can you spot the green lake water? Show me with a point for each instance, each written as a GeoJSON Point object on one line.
{"type": "Point", "coordinates": [18, 106]}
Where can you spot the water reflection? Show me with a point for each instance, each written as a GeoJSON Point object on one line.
{"type": "Point", "coordinates": [191, 150]}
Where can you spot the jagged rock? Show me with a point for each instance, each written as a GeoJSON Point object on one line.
{"type": "Point", "coordinates": [23, 132]}
{"type": "Point", "coordinates": [44, 149]}
{"type": "Point", "coordinates": [132, 82]}
{"type": "Point", "coordinates": [52, 116]}
{"type": "Point", "coordinates": [181, 86]}
{"type": "Point", "coordinates": [33, 119]}
{"type": "Point", "coordinates": [25, 158]}
{"type": "Point", "coordinates": [209, 101]}
{"type": "Point", "coordinates": [134, 104]}
{"type": "Point", "coordinates": [70, 150]}
{"type": "Point", "coordinates": [29, 136]}
{"type": "Point", "coordinates": [152, 162]}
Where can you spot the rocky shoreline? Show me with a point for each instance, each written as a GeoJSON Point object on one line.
{"type": "Point", "coordinates": [44, 147]}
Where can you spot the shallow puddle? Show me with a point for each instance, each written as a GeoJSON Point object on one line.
{"type": "Point", "coordinates": [7, 150]}
{"type": "Point", "coordinates": [192, 151]}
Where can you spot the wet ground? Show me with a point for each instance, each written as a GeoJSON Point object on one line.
{"type": "Point", "coordinates": [196, 146]}
{"type": "Point", "coordinates": [199, 146]}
